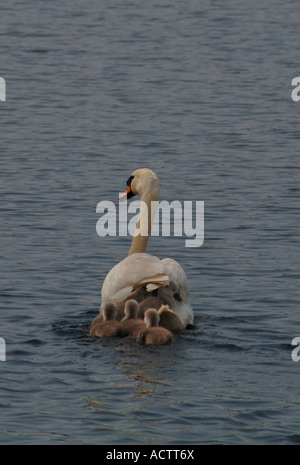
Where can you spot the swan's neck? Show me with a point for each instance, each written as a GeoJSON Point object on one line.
{"type": "Point", "coordinates": [143, 226]}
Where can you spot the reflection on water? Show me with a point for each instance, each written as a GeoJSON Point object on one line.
{"type": "Point", "coordinates": [143, 365]}
{"type": "Point", "coordinates": [144, 373]}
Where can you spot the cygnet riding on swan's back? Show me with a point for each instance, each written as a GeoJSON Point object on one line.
{"type": "Point", "coordinates": [141, 269]}
{"type": "Point", "coordinates": [164, 295]}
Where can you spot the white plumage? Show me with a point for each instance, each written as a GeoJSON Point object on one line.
{"type": "Point", "coordinates": [141, 269]}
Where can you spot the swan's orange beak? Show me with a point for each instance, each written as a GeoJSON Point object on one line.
{"type": "Point", "coordinates": [125, 193]}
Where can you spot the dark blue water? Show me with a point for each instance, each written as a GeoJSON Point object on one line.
{"type": "Point", "coordinates": [200, 92]}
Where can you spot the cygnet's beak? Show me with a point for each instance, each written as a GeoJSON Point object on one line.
{"type": "Point", "coordinates": [177, 297]}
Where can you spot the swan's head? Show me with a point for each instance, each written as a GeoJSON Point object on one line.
{"type": "Point", "coordinates": [151, 318]}
{"type": "Point", "coordinates": [144, 182]}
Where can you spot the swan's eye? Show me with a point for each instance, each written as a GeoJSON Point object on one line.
{"type": "Point", "coordinates": [129, 180]}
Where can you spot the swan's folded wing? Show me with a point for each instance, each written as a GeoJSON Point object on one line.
{"type": "Point", "coordinates": [177, 274]}
{"type": "Point", "coordinates": [137, 270]}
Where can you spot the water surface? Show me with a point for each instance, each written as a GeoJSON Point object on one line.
{"type": "Point", "coordinates": [201, 93]}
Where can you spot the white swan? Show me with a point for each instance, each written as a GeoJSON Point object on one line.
{"type": "Point", "coordinates": [141, 269]}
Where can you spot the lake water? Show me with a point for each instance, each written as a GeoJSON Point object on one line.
{"type": "Point", "coordinates": [200, 92]}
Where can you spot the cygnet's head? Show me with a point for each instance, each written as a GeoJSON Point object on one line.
{"type": "Point", "coordinates": [171, 290]}
{"type": "Point", "coordinates": [110, 312]}
{"type": "Point", "coordinates": [173, 286]}
{"type": "Point", "coordinates": [151, 318]}
{"type": "Point", "coordinates": [131, 309]}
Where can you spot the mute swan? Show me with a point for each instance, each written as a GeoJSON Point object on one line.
{"type": "Point", "coordinates": [154, 334]}
{"type": "Point", "coordinates": [131, 324]}
{"type": "Point", "coordinates": [141, 269]}
{"type": "Point", "coordinates": [109, 326]}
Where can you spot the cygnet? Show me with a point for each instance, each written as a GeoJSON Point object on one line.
{"type": "Point", "coordinates": [109, 326]}
{"type": "Point", "coordinates": [154, 334]}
